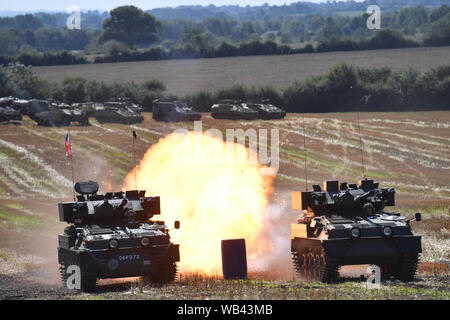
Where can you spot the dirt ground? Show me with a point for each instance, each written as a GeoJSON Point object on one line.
{"type": "Point", "coordinates": [408, 151]}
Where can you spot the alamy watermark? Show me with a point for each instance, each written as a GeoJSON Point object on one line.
{"type": "Point", "coordinates": [73, 281]}
{"type": "Point", "coordinates": [374, 20]}
{"type": "Point", "coordinates": [229, 153]}
{"type": "Point", "coordinates": [74, 20]}
{"type": "Point", "coordinates": [374, 280]}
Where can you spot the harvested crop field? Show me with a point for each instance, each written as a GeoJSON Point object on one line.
{"type": "Point", "coordinates": [187, 76]}
{"type": "Point", "coordinates": [408, 151]}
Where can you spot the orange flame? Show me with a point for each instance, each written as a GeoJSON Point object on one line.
{"type": "Point", "coordinates": [214, 200]}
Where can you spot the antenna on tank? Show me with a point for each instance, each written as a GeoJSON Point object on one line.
{"type": "Point", "coordinates": [134, 160]}
{"type": "Point", "coordinates": [361, 146]}
{"type": "Point", "coordinates": [304, 150]}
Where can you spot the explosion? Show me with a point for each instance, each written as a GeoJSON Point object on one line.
{"type": "Point", "coordinates": [214, 193]}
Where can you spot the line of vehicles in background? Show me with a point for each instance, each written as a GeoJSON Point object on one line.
{"type": "Point", "coordinates": [123, 110]}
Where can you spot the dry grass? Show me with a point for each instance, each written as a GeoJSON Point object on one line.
{"type": "Point", "coordinates": [434, 268]}
{"type": "Point", "coordinates": [197, 286]}
{"type": "Point", "coordinates": [185, 76]}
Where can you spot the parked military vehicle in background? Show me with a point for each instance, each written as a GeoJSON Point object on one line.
{"type": "Point", "coordinates": [6, 101]}
{"type": "Point", "coordinates": [113, 236]}
{"type": "Point", "coordinates": [347, 225]}
{"type": "Point", "coordinates": [232, 110]}
{"type": "Point", "coordinates": [266, 110]}
{"type": "Point", "coordinates": [21, 106]}
{"type": "Point", "coordinates": [7, 111]}
{"type": "Point", "coordinates": [52, 113]}
{"type": "Point", "coordinates": [115, 114]}
{"type": "Point", "coordinates": [173, 110]}
{"type": "Point", "coordinates": [51, 118]}
{"type": "Point", "coordinates": [8, 114]}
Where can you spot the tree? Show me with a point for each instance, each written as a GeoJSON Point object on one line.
{"type": "Point", "coordinates": [130, 25]}
{"type": "Point", "coordinates": [22, 82]}
{"type": "Point", "coordinates": [194, 37]}
{"type": "Point", "coordinates": [74, 90]}
{"type": "Point", "coordinates": [10, 41]}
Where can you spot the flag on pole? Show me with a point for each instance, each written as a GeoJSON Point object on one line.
{"type": "Point", "coordinates": [68, 145]}
{"type": "Point", "coordinates": [134, 134]}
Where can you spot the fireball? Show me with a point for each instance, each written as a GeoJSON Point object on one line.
{"type": "Point", "coordinates": [212, 191]}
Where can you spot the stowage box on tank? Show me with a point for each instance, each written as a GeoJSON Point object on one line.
{"type": "Point", "coordinates": [346, 225]}
{"type": "Point", "coordinates": [112, 236]}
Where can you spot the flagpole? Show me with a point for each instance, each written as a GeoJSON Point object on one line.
{"type": "Point", "coordinates": [69, 155]}
{"type": "Point", "coordinates": [73, 180]}
{"type": "Point", "coordinates": [134, 161]}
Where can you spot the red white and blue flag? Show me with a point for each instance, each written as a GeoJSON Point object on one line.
{"type": "Point", "coordinates": [68, 145]}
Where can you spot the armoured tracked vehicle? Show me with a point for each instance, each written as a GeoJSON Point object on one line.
{"type": "Point", "coordinates": [112, 236]}
{"type": "Point", "coordinates": [347, 225]}
{"type": "Point", "coordinates": [6, 101]}
{"type": "Point", "coordinates": [52, 118]}
{"type": "Point", "coordinates": [169, 110]}
{"type": "Point", "coordinates": [114, 114]}
{"type": "Point", "coordinates": [7, 114]}
{"type": "Point", "coordinates": [229, 109]}
{"type": "Point", "coordinates": [265, 110]}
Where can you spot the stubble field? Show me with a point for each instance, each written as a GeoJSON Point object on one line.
{"type": "Point", "coordinates": [408, 151]}
{"type": "Point", "coordinates": [187, 76]}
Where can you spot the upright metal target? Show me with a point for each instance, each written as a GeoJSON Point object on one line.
{"type": "Point", "coordinates": [234, 259]}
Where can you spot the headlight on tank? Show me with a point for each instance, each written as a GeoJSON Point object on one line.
{"type": "Point", "coordinates": [145, 241]}
{"type": "Point", "coordinates": [387, 231]}
{"type": "Point", "coordinates": [113, 243]}
{"type": "Point", "coordinates": [356, 233]}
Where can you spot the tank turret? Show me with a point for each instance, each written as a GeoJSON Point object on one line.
{"type": "Point", "coordinates": [362, 199]}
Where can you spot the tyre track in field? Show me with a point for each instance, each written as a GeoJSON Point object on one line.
{"type": "Point", "coordinates": [27, 180]}
{"type": "Point", "coordinates": [375, 145]}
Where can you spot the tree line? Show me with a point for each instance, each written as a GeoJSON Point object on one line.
{"type": "Point", "coordinates": [382, 39]}
{"type": "Point", "coordinates": [343, 88]}
{"type": "Point", "coordinates": [138, 30]}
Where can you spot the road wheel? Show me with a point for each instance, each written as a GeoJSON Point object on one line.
{"type": "Point", "coordinates": [315, 265]}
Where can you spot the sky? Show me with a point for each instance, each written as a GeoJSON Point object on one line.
{"type": "Point", "coordinates": [62, 5]}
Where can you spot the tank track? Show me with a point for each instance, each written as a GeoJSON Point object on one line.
{"type": "Point", "coordinates": [313, 264]}
{"type": "Point", "coordinates": [405, 270]}
{"type": "Point", "coordinates": [63, 274]}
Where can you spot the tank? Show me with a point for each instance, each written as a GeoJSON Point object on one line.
{"type": "Point", "coordinates": [117, 113]}
{"type": "Point", "coordinates": [36, 106]}
{"type": "Point", "coordinates": [9, 114]}
{"type": "Point", "coordinates": [229, 109]}
{"type": "Point", "coordinates": [113, 235]}
{"type": "Point", "coordinates": [265, 110]}
{"type": "Point", "coordinates": [173, 110]}
{"type": "Point", "coordinates": [347, 225]}
{"type": "Point", "coordinates": [52, 118]}
{"type": "Point", "coordinates": [77, 115]}
{"type": "Point", "coordinates": [21, 105]}
{"type": "Point", "coordinates": [6, 101]}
